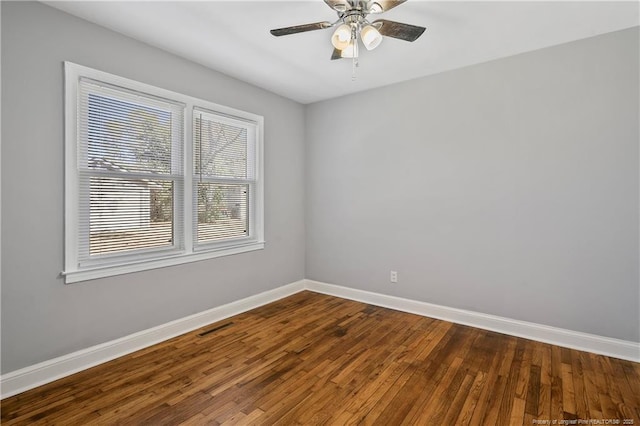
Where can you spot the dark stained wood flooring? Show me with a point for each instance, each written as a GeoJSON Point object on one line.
{"type": "Point", "coordinates": [315, 359]}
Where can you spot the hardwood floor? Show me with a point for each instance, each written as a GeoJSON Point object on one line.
{"type": "Point", "coordinates": [316, 359]}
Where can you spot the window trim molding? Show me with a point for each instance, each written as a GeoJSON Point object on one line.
{"type": "Point", "coordinates": [192, 252]}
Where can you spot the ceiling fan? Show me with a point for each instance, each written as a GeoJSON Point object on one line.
{"type": "Point", "coordinates": [352, 24]}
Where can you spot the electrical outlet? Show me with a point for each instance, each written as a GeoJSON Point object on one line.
{"type": "Point", "coordinates": [393, 277]}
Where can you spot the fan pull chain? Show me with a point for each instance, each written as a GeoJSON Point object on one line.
{"type": "Point", "coordinates": [354, 66]}
{"type": "Point", "coordinates": [354, 60]}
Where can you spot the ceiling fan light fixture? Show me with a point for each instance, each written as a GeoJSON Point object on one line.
{"type": "Point", "coordinates": [349, 51]}
{"type": "Point", "coordinates": [341, 37]}
{"type": "Point", "coordinates": [371, 37]}
{"type": "Point", "coordinates": [375, 7]}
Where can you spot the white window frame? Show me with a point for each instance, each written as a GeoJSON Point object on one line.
{"type": "Point", "coordinates": [73, 271]}
{"type": "Point", "coordinates": [252, 130]}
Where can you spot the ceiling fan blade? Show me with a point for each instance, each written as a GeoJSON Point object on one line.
{"type": "Point", "coordinates": [300, 28]}
{"type": "Point", "coordinates": [337, 54]}
{"type": "Point", "coordinates": [384, 5]}
{"type": "Point", "coordinates": [338, 5]}
{"type": "Point", "coordinates": [399, 30]}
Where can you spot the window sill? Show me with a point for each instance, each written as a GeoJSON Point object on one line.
{"type": "Point", "coordinates": [108, 271]}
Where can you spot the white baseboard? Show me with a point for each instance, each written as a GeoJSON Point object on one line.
{"type": "Point", "coordinates": [45, 372]}
{"type": "Point", "coordinates": [616, 348]}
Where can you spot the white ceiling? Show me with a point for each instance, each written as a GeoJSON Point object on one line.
{"type": "Point", "coordinates": [233, 37]}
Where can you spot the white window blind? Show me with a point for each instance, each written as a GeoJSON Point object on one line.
{"type": "Point", "coordinates": [155, 178]}
{"type": "Point", "coordinates": [130, 172]}
{"type": "Point", "coordinates": [225, 173]}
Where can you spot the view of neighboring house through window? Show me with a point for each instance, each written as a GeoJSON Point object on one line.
{"type": "Point", "coordinates": [143, 189]}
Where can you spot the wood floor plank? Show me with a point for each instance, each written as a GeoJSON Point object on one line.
{"type": "Point", "coordinates": [632, 373]}
{"type": "Point", "coordinates": [580, 394]}
{"type": "Point", "coordinates": [557, 407]}
{"type": "Point", "coordinates": [512, 379]}
{"type": "Point", "coordinates": [533, 396]}
{"type": "Point", "coordinates": [406, 360]}
{"type": "Point", "coordinates": [315, 359]}
{"type": "Point", "coordinates": [443, 395]}
{"type": "Point", "coordinates": [426, 373]}
{"type": "Point", "coordinates": [517, 413]}
{"type": "Point", "coordinates": [546, 378]}
{"type": "Point", "coordinates": [496, 392]}
{"type": "Point", "coordinates": [568, 392]}
{"type": "Point", "coordinates": [467, 410]}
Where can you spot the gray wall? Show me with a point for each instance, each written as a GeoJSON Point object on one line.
{"type": "Point", "coordinates": [508, 188]}
{"type": "Point", "coordinates": [41, 317]}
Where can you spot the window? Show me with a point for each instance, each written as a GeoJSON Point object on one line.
{"type": "Point", "coordinates": [143, 189]}
{"type": "Point", "coordinates": [225, 175]}
{"type": "Point", "coordinates": [130, 172]}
